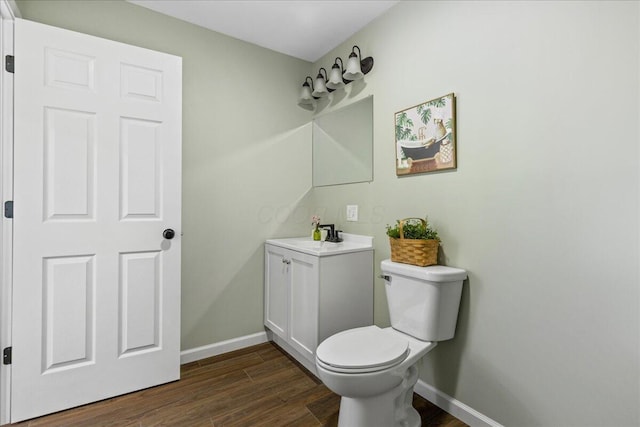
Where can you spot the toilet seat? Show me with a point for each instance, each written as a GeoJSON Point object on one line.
{"type": "Point", "coordinates": [360, 350]}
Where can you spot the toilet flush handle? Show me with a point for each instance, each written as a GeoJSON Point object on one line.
{"type": "Point", "coordinates": [385, 277]}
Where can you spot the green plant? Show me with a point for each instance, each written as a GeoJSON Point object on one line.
{"type": "Point", "coordinates": [413, 229]}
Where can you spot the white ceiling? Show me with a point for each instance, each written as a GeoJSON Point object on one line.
{"type": "Point", "coordinates": [303, 29]}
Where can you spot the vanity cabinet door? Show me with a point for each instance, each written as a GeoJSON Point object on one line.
{"type": "Point", "coordinates": [276, 290]}
{"type": "Point", "coordinates": [303, 294]}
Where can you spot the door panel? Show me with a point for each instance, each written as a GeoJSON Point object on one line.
{"type": "Point", "coordinates": [69, 70]}
{"type": "Point", "coordinates": [140, 292]}
{"type": "Point", "coordinates": [303, 323]}
{"type": "Point", "coordinates": [97, 154]}
{"type": "Point", "coordinates": [276, 299]}
{"type": "Point", "coordinates": [140, 168]}
{"type": "Point", "coordinates": [68, 311]}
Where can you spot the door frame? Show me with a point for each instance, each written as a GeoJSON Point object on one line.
{"type": "Point", "coordinates": [8, 12]}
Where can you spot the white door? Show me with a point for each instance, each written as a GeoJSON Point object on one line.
{"type": "Point", "coordinates": [96, 286]}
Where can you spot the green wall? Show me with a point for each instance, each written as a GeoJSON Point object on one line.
{"type": "Point", "coordinates": [542, 210]}
{"type": "Point", "coordinates": [243, 139]}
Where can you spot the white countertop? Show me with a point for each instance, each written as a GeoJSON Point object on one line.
{"type": "Point", "coordinates": [350, 243]}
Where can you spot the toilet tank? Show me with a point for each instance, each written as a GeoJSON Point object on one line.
{"type": "Point", "coordinates": [423, 301]}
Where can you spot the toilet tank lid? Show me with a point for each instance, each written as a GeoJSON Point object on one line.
{"type": "Point", "coordinates": [432, 273]}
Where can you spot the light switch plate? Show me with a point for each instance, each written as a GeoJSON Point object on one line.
{"type": "Point", "coordinates": [352, 212]}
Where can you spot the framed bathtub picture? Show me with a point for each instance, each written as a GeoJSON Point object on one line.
{"type": "Point", "coordinates": [426, 137]}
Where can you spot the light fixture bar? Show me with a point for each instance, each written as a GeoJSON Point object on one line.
{"type": "Point", "coordinates": [339, 76]}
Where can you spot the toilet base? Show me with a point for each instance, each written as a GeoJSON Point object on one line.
{"type": "Point", "coordinates": [391, 409]}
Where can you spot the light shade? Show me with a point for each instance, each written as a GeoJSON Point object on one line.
{"type": "Point", "coordinates": [320, 86]}
{"type": "Point", "coordinates": [353, 71]}
{"type": "Point", "coordinates": [335, 76]}
{"type": "Point", "coordinates": [306, 97]}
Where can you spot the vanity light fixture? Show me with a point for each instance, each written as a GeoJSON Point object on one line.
{"type": "Point", "coordinates": [335, 75]}
{"type": "Point", "coordinates": [338, 78]}
{"type": "Point", "coordinates": [306, 97]}
{"type": "Point", "coordinates": [321, 87]}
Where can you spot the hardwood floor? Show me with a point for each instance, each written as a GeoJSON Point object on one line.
{"type": "Point", "coordinates": [255, 386]}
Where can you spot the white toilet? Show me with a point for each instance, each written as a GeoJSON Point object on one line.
{"type": "Point", "coordinates": [374, 369]}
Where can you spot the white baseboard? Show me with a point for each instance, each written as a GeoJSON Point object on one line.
{"type": "Point", "coordinates": [214, 349]}
{"type": "Point", "coordinates": [456, 408]}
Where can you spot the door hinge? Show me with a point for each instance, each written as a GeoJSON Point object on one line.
{"type": "Point", "coordinates": [8, 209]}
{"type": "Point", "coordinates": [8, 63]}
{"type": "Point", "coordinates": [6, 356]}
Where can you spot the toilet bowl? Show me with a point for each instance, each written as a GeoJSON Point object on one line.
{"type": "Point", "coordinates": [374, 370]}
{"type": "Point", "coordinates": [375, 376]}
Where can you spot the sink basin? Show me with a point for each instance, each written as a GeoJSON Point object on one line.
{"type": "Point", "coordinates": [350, 243]}
{"type": "Point", "coordinates": [312, 244]}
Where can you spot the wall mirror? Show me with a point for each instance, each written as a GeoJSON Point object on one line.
{"type": "Point", "coordinates": [343, 145]}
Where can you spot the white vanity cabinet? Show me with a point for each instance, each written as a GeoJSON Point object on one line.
{"type": "Point", "coordinates": [312, 292]}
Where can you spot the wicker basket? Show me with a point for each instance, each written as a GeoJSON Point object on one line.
{"type": "Point", "coordinates": [419, 252]}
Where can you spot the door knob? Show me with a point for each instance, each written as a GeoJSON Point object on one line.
{"type": "Point", "coordinates": [168, 234]}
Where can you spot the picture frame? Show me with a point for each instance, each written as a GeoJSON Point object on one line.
{"type": "Point", "coordinates": [425, 137]}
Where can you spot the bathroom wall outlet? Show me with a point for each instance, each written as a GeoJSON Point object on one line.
{"type": "Point", "coordinates": [352, 212]}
